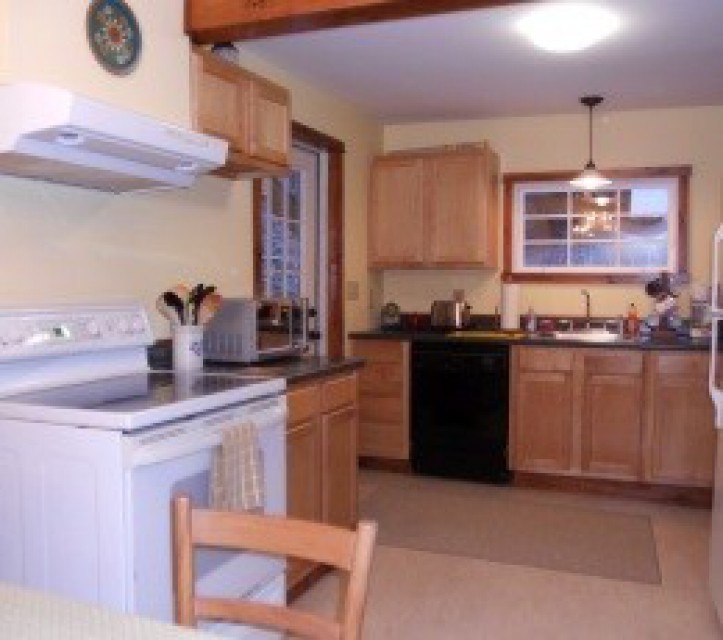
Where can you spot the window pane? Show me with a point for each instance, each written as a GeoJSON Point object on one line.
{"type": "Point", "coordinates": [645, 201]}
{"type": "Point", "coordinates": [294, 195]}
{"type": "Point", "coordinates": [597, 202]}
{"type": "Point", "coordinates": [293, 285]}
{"type": "Point", "coordinates": [546, 229]}
{"type": "Point", "coordinates": [644, 254]}
{"type": "Point", "coordinates": [595, 226]}
{"type": "Point", "coordinates": [547, 255]}
{"type": "Point", "coordinates": [593, 254]}
{"type": "Point", "coordinates": [277, 197]}
{"type": "Point", "coordinates": [644, 228]}
{"type": "Point", "coordinates": [546, 204]}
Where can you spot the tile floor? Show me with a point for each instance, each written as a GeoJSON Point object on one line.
{"type": "Point", "coordinates": [426, 596]}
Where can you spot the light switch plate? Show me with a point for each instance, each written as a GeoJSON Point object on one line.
{"type": "Point", "coordinates": [352, 290]}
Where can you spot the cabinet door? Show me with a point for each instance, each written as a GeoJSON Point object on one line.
{"type": "Point", "coordinates": [339, 447]}
{"type": "Point", "coordinates": [611, 428]}
{"type": "Point", "coordinates": [542, 418]}
{"type": "Point", "coordinates": [682, 441]}
{"type": "Point", "coordinates": [270, 122]}
{"type": "Point", "coordinates": [303, 483]}
{"type": "Point", "coordinates": [219, 100]}
{"type": "Point", "coordinates": [462, 227]}
{"type": "Point", "coordinates": [396, 225]}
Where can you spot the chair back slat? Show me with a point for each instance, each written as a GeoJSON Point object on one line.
{"type": "Point", "coordinates": [274, 535]}
{"type": "Point", "coordinates": [299, 623]}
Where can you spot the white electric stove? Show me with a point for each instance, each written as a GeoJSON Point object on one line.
{"type": "Point", "coordinates": [93, 444]}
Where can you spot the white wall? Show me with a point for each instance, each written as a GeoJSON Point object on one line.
{"type": "Point", "coordinates": [622, 139]}
{"type": "Point", "coordinates": [63, 244]}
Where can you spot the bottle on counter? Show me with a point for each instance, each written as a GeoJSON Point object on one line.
{"type": "Point", "coordinates": [632, 322]}
{"type": "Point", "coordinates": [530, 321]}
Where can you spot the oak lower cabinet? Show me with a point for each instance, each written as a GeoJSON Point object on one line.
{"type": "Point", "coordinates": [681, 420]}
{"type": "Point", "coordinates": [383, 398]}
{"type": "Point", "coordinates": [612, 412]}
{"type": "Point", "coordinates": [541, 409]}
{"type": "Point", "coordinates": [321, 450]}
{"type": "Point", "coordinates": [434, 208]}
{"type": "Point", "coordinates": [250, 112]}
{"type": "Point", "coordinates": [618, 414]}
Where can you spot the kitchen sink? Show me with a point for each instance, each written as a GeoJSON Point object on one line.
{"type": "Point", "coordinates": [587, 335]}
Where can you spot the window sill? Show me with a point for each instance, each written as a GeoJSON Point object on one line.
{"type": "Point", "coordinates": [587, 278]}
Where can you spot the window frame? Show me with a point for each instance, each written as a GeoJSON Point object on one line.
{"type": "Point", "coordinates": [511, 180]}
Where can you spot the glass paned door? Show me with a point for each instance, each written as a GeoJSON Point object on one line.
{"type": "Point", "coordinates": [293, 229]}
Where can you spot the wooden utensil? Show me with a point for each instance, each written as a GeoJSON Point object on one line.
{"type": "Point", "coordinates": [209, 306]}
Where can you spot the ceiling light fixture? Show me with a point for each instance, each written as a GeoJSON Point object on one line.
{"type": "Point", "coordinates": [590, 178]}
{"type": "Point", "coordinates": [567, 27]}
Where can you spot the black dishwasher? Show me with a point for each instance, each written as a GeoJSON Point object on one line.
{"type": "Point", "coordinates": [460, 398]}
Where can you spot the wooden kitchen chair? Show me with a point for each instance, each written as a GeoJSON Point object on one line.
{"type": "Point", "coordinates": [348, 551]}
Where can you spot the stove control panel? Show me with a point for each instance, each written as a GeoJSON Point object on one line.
{"type": "Point", "coordinates": [30, 333]}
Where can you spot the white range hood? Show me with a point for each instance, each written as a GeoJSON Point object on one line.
{"type": "Point", "coordinates": [49, 133]}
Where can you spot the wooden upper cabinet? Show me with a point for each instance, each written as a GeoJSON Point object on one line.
{"type": "Point", "coordinates": [462, 199]}
{"type": "Point", "coordinates": [681, 431]}
{"type": "Point", "coordinates": [396, 227]}
{"type": "Point", "coordinates": [435, 208]}
{"type": "Point", "coordinates": [252, 113]}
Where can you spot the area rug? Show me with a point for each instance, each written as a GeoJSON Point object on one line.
{"type": "Point", "coordinates": [500, 524]}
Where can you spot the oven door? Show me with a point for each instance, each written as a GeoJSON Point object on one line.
{"type": "Point", "coordinates": [177, 459]}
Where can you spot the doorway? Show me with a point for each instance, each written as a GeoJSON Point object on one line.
{"type": "Point", "coordinates": [298, 235]}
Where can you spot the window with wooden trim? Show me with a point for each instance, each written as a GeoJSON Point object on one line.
{"type": "Point", "coordinates": [625, 232]}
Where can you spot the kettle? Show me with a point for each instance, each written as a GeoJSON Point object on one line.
{"type": "Point", "coordinates": [450, 314]}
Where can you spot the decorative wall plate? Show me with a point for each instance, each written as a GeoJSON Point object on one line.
{"type": "Point", "coordinates": [113, 35]}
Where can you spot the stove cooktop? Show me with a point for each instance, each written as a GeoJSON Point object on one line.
{"type": "Point", "coordinates": [137, 400]}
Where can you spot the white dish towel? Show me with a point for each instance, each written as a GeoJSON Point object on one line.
{"type": "Point", "coordinates": [237, 473]}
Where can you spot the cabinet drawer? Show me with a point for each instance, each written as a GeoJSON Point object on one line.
{"type": "Point", "coordinates": [682, 364]}
{"type": "Point", "coordinates": [379, 350]}
{"type": "Point", "coordinates": [338, 392]}
{"type": "Point", "coordinates": [613, 362]}
{"type": "Point", "coordinates": [545, 359]}
{"type": "Point", "coordinates": [303, 403]}
{"type": "Point", "coordinates": [381, 378]}
{"type": "Point", "coordinates": [375, 409]}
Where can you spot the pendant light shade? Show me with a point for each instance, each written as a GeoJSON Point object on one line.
{"type": "Point", "coordinates": [590, 178]}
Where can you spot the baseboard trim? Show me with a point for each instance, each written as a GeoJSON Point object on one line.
{"type": "Point", "coordinates": [385, 464]}
{"type": "Point", "coordinates": [669, 494]}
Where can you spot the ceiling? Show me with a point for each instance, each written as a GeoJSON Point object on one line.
{"type": "Point", "coordinates": [474, 64]}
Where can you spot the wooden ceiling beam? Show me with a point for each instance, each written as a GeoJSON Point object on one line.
{"type": "Point", "coordinates": [209, 21]}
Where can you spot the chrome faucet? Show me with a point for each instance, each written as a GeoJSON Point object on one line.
{"type": "Point", "coordinates": [586, 293]}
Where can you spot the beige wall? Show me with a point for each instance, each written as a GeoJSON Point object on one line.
{"type": "Point", "coordinates": [622, 139]}
{"type": "Point", "coordinates": [46, 42]}
{"type": "Point", "coordinates": [63, 244]}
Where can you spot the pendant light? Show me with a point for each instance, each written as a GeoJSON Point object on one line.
{"type": "Point", "coordinates": [590, 178]}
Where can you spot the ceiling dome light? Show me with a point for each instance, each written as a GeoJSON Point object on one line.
{"type": "Point", "coordinates": [562, 28]}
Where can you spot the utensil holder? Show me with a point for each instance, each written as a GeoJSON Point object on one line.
{"type": "Point", "coordinates": [187, 347]}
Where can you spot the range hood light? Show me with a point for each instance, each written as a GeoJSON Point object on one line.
{"type": "Point", "coordinates": [187, 167]}
{"type": "Point", "coordinates": [70, 139]}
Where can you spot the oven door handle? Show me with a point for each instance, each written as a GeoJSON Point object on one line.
{"type": "Point", "coordinates": [183, 441]}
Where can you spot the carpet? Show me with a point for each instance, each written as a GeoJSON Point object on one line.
{"type": "Point", "coordinates": [500, 524]}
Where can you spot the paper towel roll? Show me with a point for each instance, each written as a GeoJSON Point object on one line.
{"type": "Point", "coordinates": [510, 305]}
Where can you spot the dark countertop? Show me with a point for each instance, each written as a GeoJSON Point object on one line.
{"type": "Point", "coordinates": [677, 344]}
{"type": "Point", "coordinates": [294, 370]}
